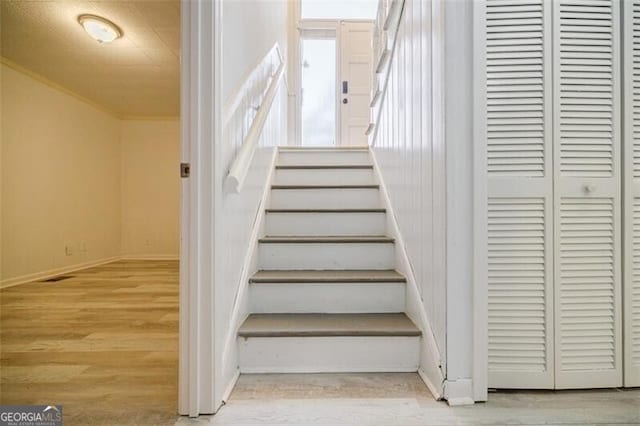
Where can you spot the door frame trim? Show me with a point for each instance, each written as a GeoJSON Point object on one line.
{"type": "Point", "coordinates": [201, 118]}
{"type": "Point", "coordinates": [480, 368]}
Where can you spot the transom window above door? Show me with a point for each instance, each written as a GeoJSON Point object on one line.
{"type": "Point", "coordinates": [338, 9]}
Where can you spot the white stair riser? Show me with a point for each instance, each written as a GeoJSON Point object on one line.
{"type": "Point", "coordinates": [330, 298]}
{"type": "Point", "coordinates": [294, 158]}
{"type": "Point", "coordinates": [328, 354]}
{"type": "Point", "coordinates": [325, 198]}
{"type": "Point", "coordinates": [321, 256]}
{"type": "Point", "coordinates": [325, 223]}
{"type": "Point", "coordinates": [324, 177]}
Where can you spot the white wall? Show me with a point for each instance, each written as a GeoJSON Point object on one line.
{"type": "Point", "coordinates": [237, 213]}
{"type": "Point", "coordinates": [424, 147]}
{"type": "Point", "coordinates": [409, 154]}
{"type": "Point", "coordinates": [150, 185]}
{"type": "Point", "coordinates": [250, 28]}
{"type": "Point", "coordinates": [73, 175]}
{"type": "Point", "coordinates": [459, 165]}
{"type": "Point", "coordinates": [60, 179]}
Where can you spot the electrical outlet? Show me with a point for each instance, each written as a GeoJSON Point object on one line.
{"type": "Point", "coordinates": [83, 246]}
{"type": "Point", "coordinates": [68, 250]}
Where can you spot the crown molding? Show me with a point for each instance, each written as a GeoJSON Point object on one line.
{"type": "Point", "coordinates": [52, 84]}
{"type": "Point", "coordinates": [151, 118]}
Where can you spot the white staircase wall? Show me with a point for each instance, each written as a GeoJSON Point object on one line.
{"type": "Point", "coordinates": [237, 213]}
{"type": "Point", "coordinates": [408, 144]}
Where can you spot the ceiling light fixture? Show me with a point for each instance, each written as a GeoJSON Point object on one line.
{"type": "Point", "coordinates": [100, 29]}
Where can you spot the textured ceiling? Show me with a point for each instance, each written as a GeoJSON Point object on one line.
{"type": "Point", "coordinates": [136, 75]}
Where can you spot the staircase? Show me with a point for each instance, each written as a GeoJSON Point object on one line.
{"type": "Point", "coordinates": [326, 297]}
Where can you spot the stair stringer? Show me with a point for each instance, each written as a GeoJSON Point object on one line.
{"type": "Point", "coordinates": [430, 369]}
{"type": "Point", "coordinates": [240, 310]}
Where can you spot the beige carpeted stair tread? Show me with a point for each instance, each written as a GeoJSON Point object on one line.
{"type": "Point", "coordinates": [311, 187]}
{"type": "Point", "coordinates": [328, 325]}
{"type": "Point", "coordinates": [326, 239]}
{"type": "Point", "coordinates": [323, 166]}
{"type": "Point", "coordinates": [312, 276]}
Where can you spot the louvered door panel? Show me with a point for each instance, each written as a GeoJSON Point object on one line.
{"type": "Point", "coordinates": [587, 193]}
{"type": "Point", "coordinates": [515, 88]}
{"type": "Point", "coordinates": [586, 326]}
{"type": "Point", "coordinates": [518, 101]}
{"type": "Point", "coordinates": [585, 86]}
{"type": "Point", "coordinates": [632, 193]}
{"type": "Point", "coordinates": [519, 340]}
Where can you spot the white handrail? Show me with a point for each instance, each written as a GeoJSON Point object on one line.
{"type": "Point", "coordinates": [396, 8]}
{"type": "Point", "coordinates": [233, 103]}
{"type": "Point", "coordinates": [240, 166]}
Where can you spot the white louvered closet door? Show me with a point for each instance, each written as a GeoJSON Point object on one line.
{"type": "Point", "coordinates": [632, 193]}
{"type": "Point", "coordinates": [587, 144]}
{"type": "Point", "coordinates": [519, 153]}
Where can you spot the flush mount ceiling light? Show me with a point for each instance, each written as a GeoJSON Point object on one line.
{"type": "Point", "coordinates": [99, 28]}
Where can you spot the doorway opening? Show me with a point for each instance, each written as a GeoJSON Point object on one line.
{"type": "Point", "coordinates": [317, 91]}
{"type": "Point", "coordinates": [335, 71]}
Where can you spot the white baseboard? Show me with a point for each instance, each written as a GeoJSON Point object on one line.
{"type": "Point", "coordinates": [150, 257]}
{"type": "Point", "coordinates": [459, 392]}
{"type": "Point", "coordinates": [43, 275]}
{"type": "Point", "coordinates": [230, 386]}
{"type": "Point", "coordinates": [37, 276]}
{"type": "Point", "coordinates": [435, 390]}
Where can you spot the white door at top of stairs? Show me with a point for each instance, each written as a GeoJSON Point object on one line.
{"type": "Point", "coordinates": [554, 164]}
{"type": "Point", "coordinates": [356, 63]}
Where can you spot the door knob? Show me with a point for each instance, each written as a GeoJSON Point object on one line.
{"type": "Point", "coordinates": [589, 188]}
{"type": "Point", "coordinates": [345, 101]}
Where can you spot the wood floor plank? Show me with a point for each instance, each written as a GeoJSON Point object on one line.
{"type": "Point", "coordinates": [103, 343]}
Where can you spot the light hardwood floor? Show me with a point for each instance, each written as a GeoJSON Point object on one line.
{"type": "Point", "coordinates": [103, 344]}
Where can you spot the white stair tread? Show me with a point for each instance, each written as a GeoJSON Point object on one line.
{"type": "Point", "coordinates": [321, 325]}
{"type": "Point", "coordinates": [332, 239]}
{"type": "Point", "coordinates": [337, 276]}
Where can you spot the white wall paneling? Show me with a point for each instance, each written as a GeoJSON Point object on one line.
{"type": "Point", "coordinates": [406, 151]}
{"type": "Point", "coordinates": [551, 108]}
{"type": "Point", "coordinates": [239, 216]}
{"type": "Point", "coordinates": [631, 157]}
